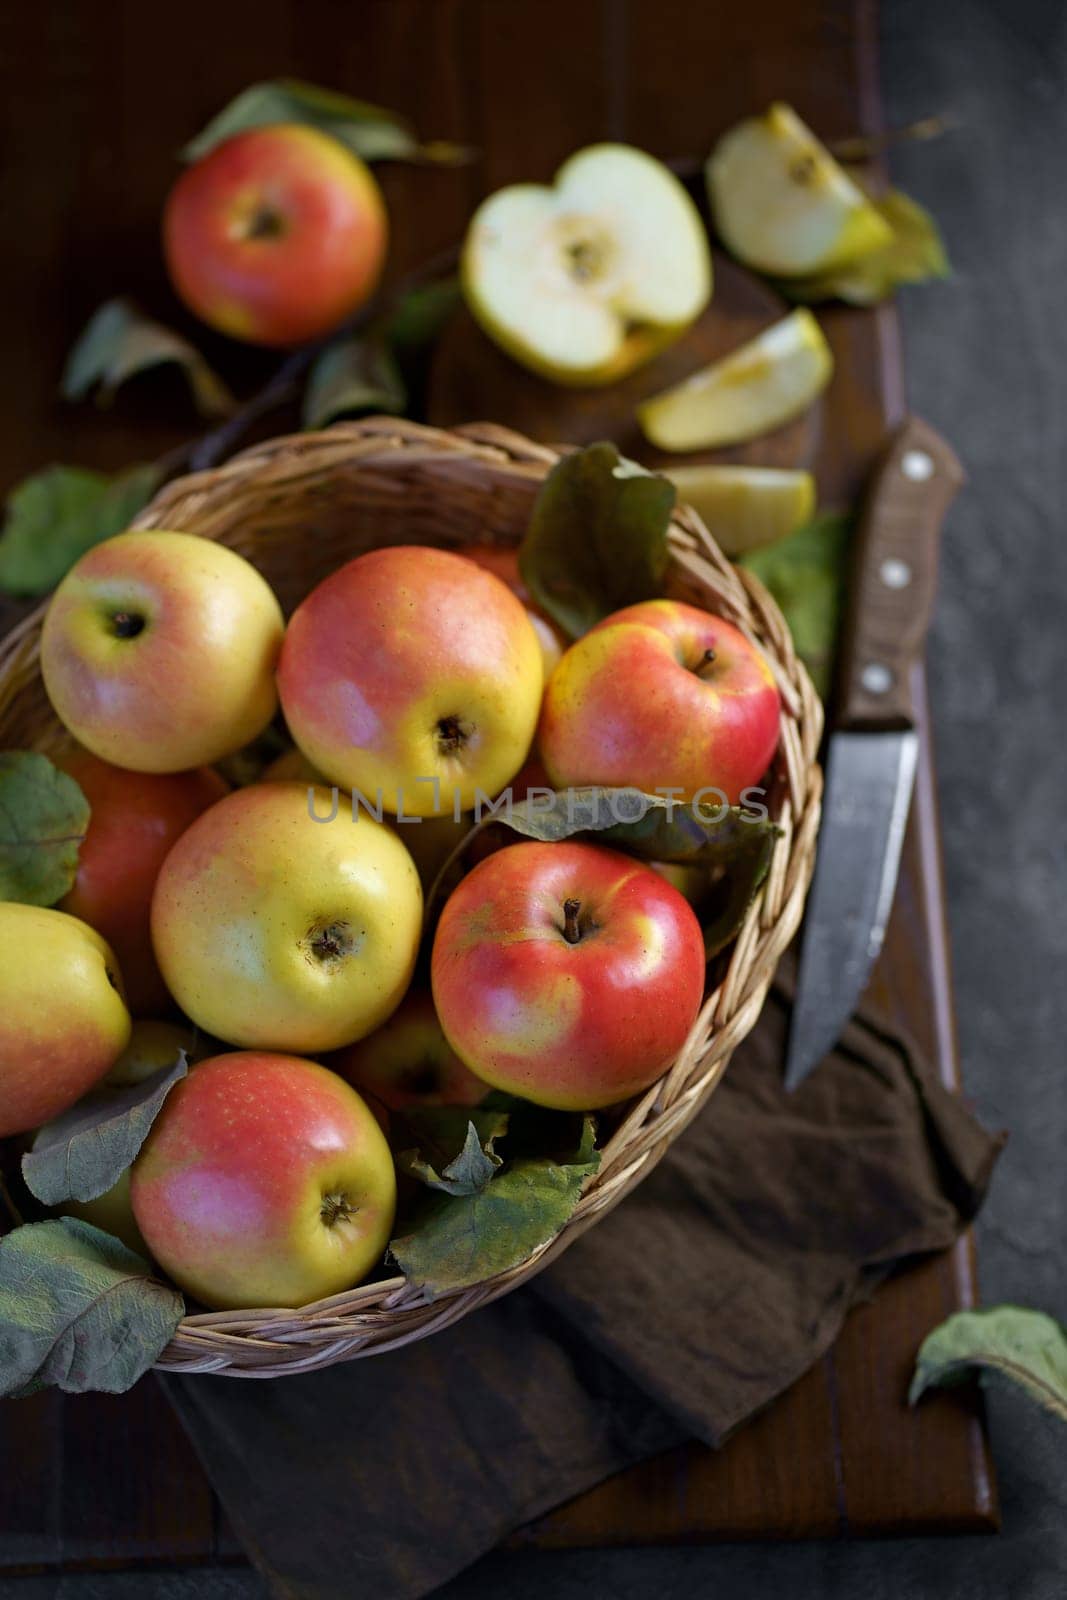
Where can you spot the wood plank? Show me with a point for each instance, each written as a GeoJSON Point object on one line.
{"type": "Point", "coordinates": [113, 1481]}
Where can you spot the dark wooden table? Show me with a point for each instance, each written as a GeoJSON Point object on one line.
{"type": "Point", "coordinates": [99, 115]}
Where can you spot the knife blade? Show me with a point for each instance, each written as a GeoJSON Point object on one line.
{"type": "Point", "coordinates": [872, 752]}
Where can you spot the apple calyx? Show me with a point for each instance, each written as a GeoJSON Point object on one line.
{"type": "Point", "coordinates": [336, 1208]}
{"type": "Point", "coordinates": [265, 223]}
{"type": "Point", "coordinates": [127, 624]}
{"type": "Point", "coordinates": [330, 943]}
{"type": "Point", "coordinates": [453, 734]}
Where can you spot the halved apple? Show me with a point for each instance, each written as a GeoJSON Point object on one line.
{"type": "Point", "coordinates": [585, 280]}
{"type": "Point", "coordinates": [746, 508]}
{"type": "Point", "coordinates": [754, 389]}
{"type": "Point", "coordinates": [783, 205]}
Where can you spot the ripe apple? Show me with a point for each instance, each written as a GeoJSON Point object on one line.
{"type": "Point", "coordinates": [409, 1062]}
{"type": "Point", "coordinates": [503, 561]}
{"type": "Point", "coordinates": [583, 281]}
{"type": "Point", "coordinates": [412, 672]}
{"type": "Point", "coordinates": [158, 651]}
{"type": "Point", "coordinates": [276, 235]}
{"type": "Point", "coordinates": [136, 817]}
{"type": "Point", "coordinates": [265, 1181]}
{"type": "Point", "coordinates": [566, 973]}
{"type": "Point", "coordinates": [661, 695]}
{"type": "Point", "coordinates": [63, 1019]}
{"type": "Point", "coordinates": [279, 932]}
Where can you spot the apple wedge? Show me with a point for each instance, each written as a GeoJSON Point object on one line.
{"type": "Point", "coordinates": [751, 391]}
{"type": "Point", "coordinates": [783, 205]}
{"type": "Point", "coordinates": [584, 280]}
{"type": "Point", "coordinates": [746, 508]}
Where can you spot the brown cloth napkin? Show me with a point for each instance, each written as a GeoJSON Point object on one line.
{"type": "Point", "coordinates": [715, 1285]}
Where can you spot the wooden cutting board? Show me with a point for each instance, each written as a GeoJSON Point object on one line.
{"type": "Point", "coordinates": [92, 1480]}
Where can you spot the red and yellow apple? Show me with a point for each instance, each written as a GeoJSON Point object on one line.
{"type": "Point", "coordinates": [409, 1062]}
{"type": "Point", "coordinates": [63, 1019]}
{"type": "Point", "coordinates": [277, 931]}
{"type": "Point", "coordinates": [566, 973]}
{"type": "Point", "coordinates": [158, 651]}
{"type": "Point", "coordinates": [661, 695]}
{"type": "Point", "coordinates": [503, 561]}
{"type": "Point", "coordinates": [136, 817]}
{"type": "Point", "coordinates": [265, 1181]}
{"type": "Point", "coordinates": [412, 674]}
{"type": "Point", "coordinates": [276, 235]}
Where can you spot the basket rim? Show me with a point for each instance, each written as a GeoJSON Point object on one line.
{"type": "Point", "coordinates": [386, 1314]}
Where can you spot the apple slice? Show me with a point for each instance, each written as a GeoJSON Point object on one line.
{"type": "Point", "coordinates": [782, 204]}
{"type": "Point", "coordinates": [748, 393]}
{"type": "Point", "coordinates": [583, 281]}
{"type": "Point", "coordinates": [746, 508]}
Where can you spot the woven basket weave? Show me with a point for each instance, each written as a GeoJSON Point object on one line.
{"type": "Point", "coordinates": [298, 507]}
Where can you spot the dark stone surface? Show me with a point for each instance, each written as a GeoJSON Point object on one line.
{"type": "Point", "coordinates": [987, 363]}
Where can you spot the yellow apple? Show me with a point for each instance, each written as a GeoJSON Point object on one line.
{"type": "Point", "coordinates": [159, 649]}
{"type": "Point", "coordinates": [584, 281]}
{"type": "Point", "coordinates": [278, 931]}
{"type": "Point", "coordinates": [783, 205]}
{"type": "Point", "coordinates": [63, 1017]}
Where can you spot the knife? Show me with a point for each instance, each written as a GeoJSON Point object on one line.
{"type": "Point", "coordinates": [872, 753]}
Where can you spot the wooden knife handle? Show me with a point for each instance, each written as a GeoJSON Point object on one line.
{"type": "Point", "coordinates": [894, 577]}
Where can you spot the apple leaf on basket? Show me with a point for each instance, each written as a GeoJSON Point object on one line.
{"type": "Point", "coordinates": [84, 1152]}
{"type": "Point", "coordinates": [457, 1241]}
{"type": "Point", "coordinates": [1027, 1347]}
{"type": "Point", "coordinates": [43, 819]}
{"type": "Point", "coordinates": [449, 1157]}
{"type": "Point", "coordinates": [56, 515]}
{"type": "Point", "coordinates": [78, 1310]}
{"type": "Point", "coordinates": [597, 538]}
{"type": "Point", "coordinates": [119, 341]}
{"type": "Point", "coordinates": [915, 254]}
{"type": "Point", "coordinates": [805, 573]}
{"type": "Point", "coordinates": [369, 131]}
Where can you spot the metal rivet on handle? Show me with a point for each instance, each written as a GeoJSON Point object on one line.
{"type": "Point", "coordinates": [917, 465]}
{"type": "Point", "coordinates": [875, 678]}
{"type": "Point", "coordinates": [894, 573]}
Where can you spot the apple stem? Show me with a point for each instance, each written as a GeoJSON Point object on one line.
{"type": "Point", "coordinates": [706, 660]}
{"type": "Point", "coordinates": [571, 931]}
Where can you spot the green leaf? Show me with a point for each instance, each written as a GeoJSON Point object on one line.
{"type": "Point", "coordinates": [369, 131]}
{"type": "Point", "coordinates": [43, 819]}
{"type": "Point", "coordinates": [915, 254]}
{"type": "Point", "coordinates": [461, 1240]}
{"type": "Point", "coordinates": [84, 1152]}
{"type": "Point", "coordinates": [806, 575]}
{"type": "Point", "coordinates": [58, 514]}
{"type": "Point", "coordinates": [119, 341]}
{"type": "Point", "coordinates": [78, 1310]}
{"type": "Point", "coordinates": [1026, 1347]}
{"type": "Point", "coordinates": [355, 375]}
{"type": "Point", "coordinates": [597, 538]}
{"type": "Point", "coordinates": [419, 316]}
{"type": "Point", "coordinates": [471, 1168]}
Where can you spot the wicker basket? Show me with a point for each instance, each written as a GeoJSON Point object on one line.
{"type": "Point", "coordinates": [298, 507]}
